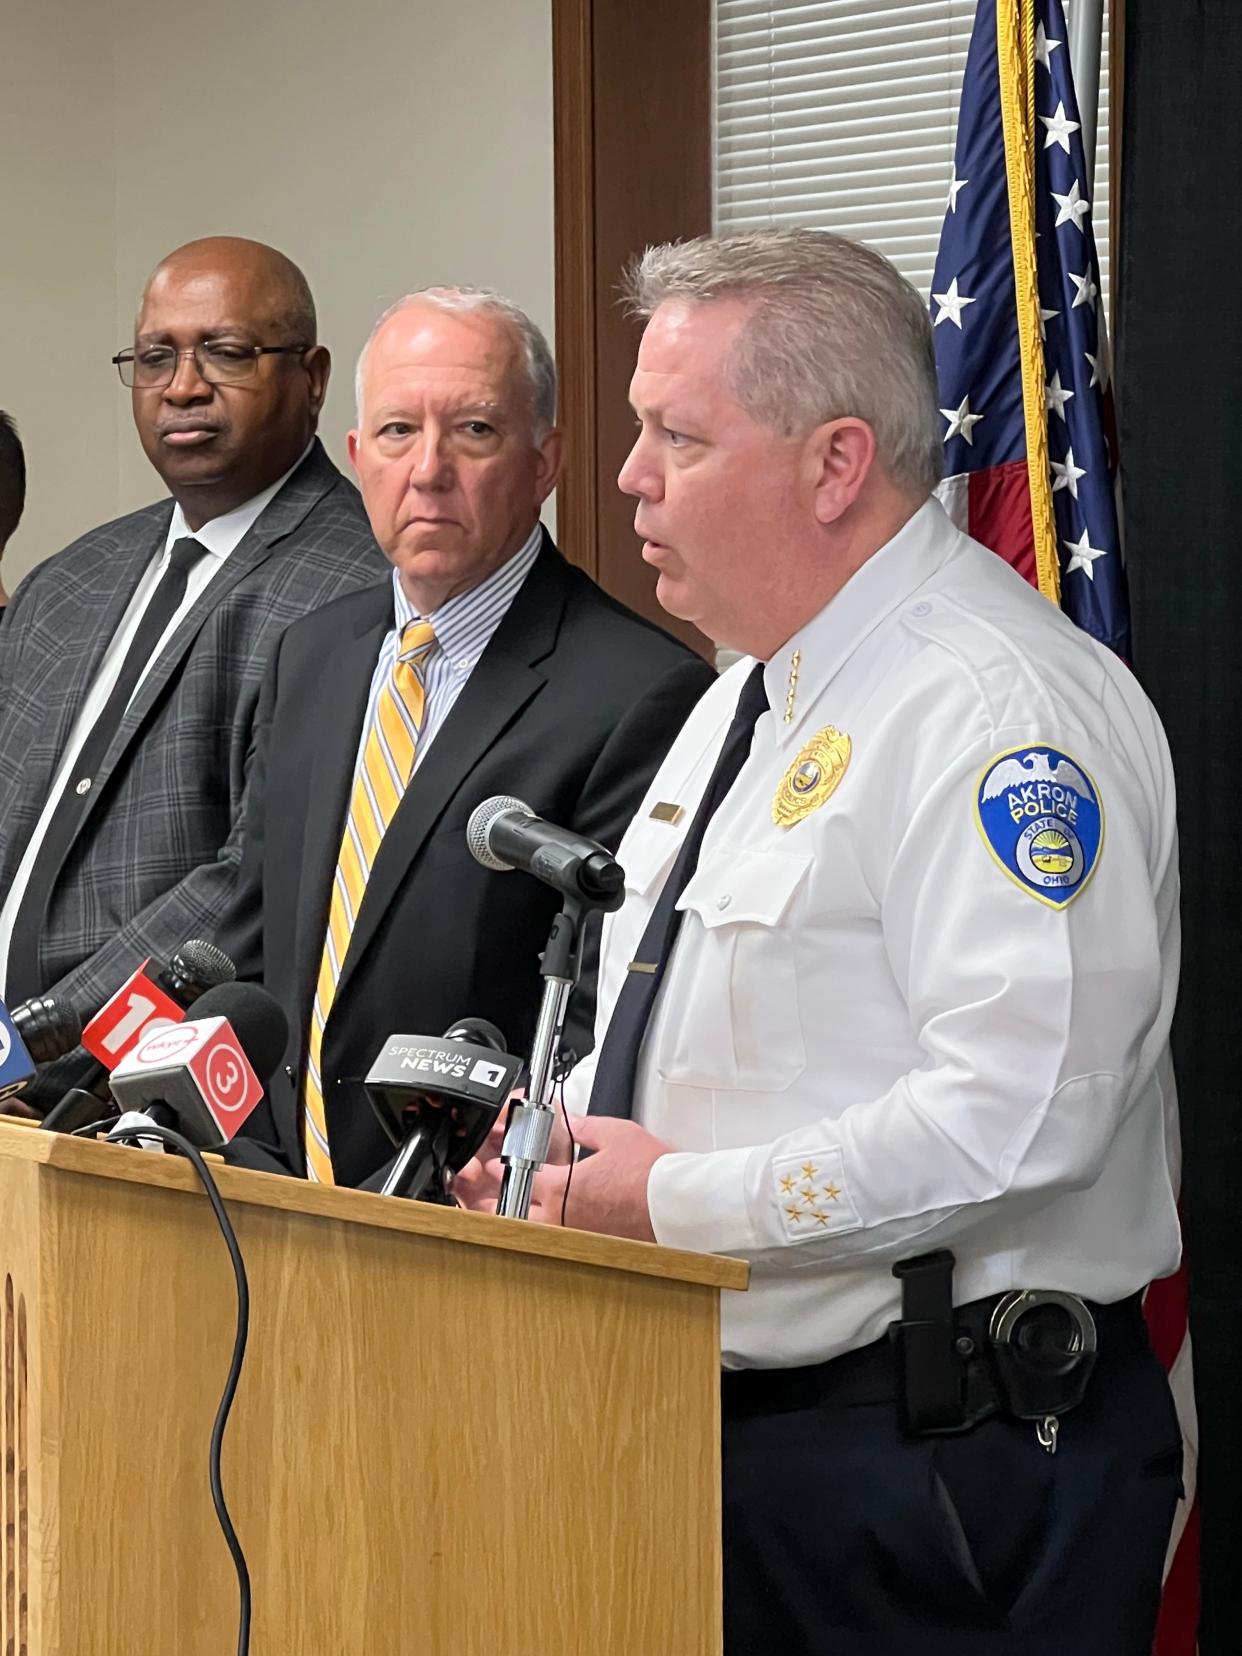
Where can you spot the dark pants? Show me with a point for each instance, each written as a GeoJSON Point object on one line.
{"type": "Point", "coordinates": [841, 1538]}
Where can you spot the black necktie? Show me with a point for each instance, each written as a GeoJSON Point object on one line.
{"type": "Point", "coordinates": [613, 1092]}
{"type": "Point", "coordinates": [23, 977]}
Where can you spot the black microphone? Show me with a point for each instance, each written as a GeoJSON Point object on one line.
{"type": "Point", "coordinates": [436, 1097]}
{"type": "Point", "coordinates": [153, 997]}
{"type": "Point", "coordinates": [505, 833]}
{"type": "Point", "coordinates": [203, 1076]}
{"type": "Point", "coordinates": [48, 1028]}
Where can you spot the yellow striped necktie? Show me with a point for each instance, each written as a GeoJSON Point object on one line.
{"type": "Point", "coordinates": [383, 776]}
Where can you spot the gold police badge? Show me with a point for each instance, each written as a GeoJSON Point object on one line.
{"type": "Point", "coordinates": [813, 777]}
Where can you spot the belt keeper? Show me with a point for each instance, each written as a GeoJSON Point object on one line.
{"type": "Point", "coordinates": [930, 1395]}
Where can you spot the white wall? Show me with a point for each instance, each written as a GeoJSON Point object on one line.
{"type": "Point", "coordinates": [57, 267]}
{"type": "Point", "coordinates": [383, 146]}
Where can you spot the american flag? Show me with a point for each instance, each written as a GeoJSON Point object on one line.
{"type": "Point", "coordinates": [1030, 440]}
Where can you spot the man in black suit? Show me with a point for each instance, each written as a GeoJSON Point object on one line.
{"type": "Point", "coordinates": [130, 663]}
{"type": "Point", "coordinates": [484, 665]}
{"type": "Point", "coordinates": [12, 488]}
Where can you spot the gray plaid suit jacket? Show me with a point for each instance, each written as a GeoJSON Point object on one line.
{"type": "Point", "coordinates": [155, 860]}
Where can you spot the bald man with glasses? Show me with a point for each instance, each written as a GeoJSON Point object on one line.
{"type": "Point", "coordinates": [130, 662]}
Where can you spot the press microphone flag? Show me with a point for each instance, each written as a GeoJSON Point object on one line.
{"type": "Point", "coordinates": [436, 1097]}
{"type": "Point", "coordinates": [155, 997]}
{"type": "Point", "coordinates": [17, 1069]}
{"type": "Point", "coordinates": [199, 1071]}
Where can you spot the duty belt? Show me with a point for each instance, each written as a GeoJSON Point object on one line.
{"type": "Point", "coordinates": [1025, 1355]}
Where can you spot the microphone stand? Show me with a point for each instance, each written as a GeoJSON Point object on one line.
{"type": "Point", "coordinates": [529, 1130]}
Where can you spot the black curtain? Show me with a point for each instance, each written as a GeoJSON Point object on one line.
{"type": "Point", "coordinates": [1179, 390]}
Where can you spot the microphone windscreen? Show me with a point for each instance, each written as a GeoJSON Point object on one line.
{"type": "Point", "coordinates": [200, 966]}
{"type": "Point", "coordinates": [481, 819]}
{"type": "Point", "coordinates": [48, 1028]}
{"type": "Point", "coordinates": [256, 1019]}
{"type": "Point", "coordinates": [479, 1031]}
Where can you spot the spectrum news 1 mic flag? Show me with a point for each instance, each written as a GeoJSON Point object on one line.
{"type": "Point", "coordinates": [1022, 360]}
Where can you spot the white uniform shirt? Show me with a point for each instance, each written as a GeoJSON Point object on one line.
{"type": "Point", "coordinates": [872, 1040]}
{"type": "Point", "coordinates": [221, 536]}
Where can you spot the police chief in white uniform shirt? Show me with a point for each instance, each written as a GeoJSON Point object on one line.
{"type": "Point", "coordinates": [919, 995]}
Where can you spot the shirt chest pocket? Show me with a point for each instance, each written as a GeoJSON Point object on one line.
{"type": "Point", "coordinates": [730, 1017]}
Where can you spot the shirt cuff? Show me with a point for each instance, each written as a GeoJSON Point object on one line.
{"type": "Point", "coordinates": [698, 1202]}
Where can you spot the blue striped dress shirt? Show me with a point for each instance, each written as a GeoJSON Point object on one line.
{"type": "Point", "coordinates": [463, 628]}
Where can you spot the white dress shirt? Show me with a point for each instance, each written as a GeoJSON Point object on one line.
{"type": "Point", "coordinates": [873, 1039]}
{"type": "Point", "coordinates": [221, 537]}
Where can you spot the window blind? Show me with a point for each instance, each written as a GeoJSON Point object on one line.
{"type": "Point", "coordinates": [841, 114]}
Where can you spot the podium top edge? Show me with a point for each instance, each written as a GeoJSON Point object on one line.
{"type": "Point", "coordinates": [18, 1142]}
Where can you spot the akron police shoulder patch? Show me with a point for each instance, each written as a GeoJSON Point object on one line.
{"type": "Point", "coordinates": [1041, 819]}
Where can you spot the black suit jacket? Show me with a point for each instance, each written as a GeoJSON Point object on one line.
{"type": "Point", "coordinates": [571, 707]}
{"type": "Point", "coordinates": [157, 852]}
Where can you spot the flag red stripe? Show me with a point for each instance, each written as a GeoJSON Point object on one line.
{"type": "Point", "coordinates": [1165, 1307]}
{"type": "Point", "coordinates": [1000, 515]}
{"type": "Point", "coordinates": [1177, 1629]}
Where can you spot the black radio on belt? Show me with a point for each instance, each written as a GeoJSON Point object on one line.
{"type": "Point", "coordinates": [1027, 1354]}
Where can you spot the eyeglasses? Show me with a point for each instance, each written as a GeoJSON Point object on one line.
{"type": "Point", "coordinates": [219, 361]}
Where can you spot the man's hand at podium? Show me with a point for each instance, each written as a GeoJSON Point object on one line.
{"type": "Point", "coordinates": [477, 1186]}
{"type": "Point", "coordinates": [607, 1191]}
{"type": "Point", "coordinates": [19, 1107]}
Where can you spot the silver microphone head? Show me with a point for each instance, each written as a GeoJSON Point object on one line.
{"type": "Point", "coordinates": [480, 824]}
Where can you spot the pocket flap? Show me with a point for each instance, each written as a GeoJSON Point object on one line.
{"type": "Point", "coordinates": [648, 853]}
{"type": "Point", "coordinates": [730, 887]}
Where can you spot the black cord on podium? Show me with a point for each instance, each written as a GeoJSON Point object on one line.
{"type": "Point", "coordinates": [167, 1136]}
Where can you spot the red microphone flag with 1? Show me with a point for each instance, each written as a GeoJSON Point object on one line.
{"type": "Point", "coordinates": [140, 1008]}
{"type": "Point", "coordinates": [17, 1068]}
{"type": "Point", "coordinates": [197, 1069]}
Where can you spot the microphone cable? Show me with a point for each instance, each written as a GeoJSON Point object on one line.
{"type": "Point", "coordinates": [167, 1136]}
{"type": "Point", "coordinates": [566, 1063]}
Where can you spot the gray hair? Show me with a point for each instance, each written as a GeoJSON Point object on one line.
{"type": "Point", "coordinates": [536, 357]}
{"type": "Point", "coordinates": [834, 331]}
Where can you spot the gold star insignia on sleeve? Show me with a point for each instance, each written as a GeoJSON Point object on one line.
{"type": "Point", "coordinates": [807, 1193]}
{"type": "Point", "coordinates": [787, 1185]}
{"type": "Point", "coordinates": [809, 1170]}
{"type": "Point", "coordinates": [794, 1213]}
{"type": "Point", "coordinates": [819, 1218]}
{"type": "Point", "coordinates": [832, 1193]}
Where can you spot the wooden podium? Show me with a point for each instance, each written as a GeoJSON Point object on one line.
{"type": "Point", "coordinates": [454, 1433]}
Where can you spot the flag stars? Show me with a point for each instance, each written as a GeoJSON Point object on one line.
{"type": "Point", "coordinates": [1099, 366]}
{"type": "Point", "coordinates": [1072, 208]}
{"type": "Point", "coordinates": [951, 305]}
{"type": "Point", "coordinates": [1087, 291]}
{"type": "Point", "coordinates": [956, 185]}
{"type": "Point", "coordinates": [1056, 396]}
{"type": "Point", "coordinates": [1065, 474]}
{"type": "Point", "coordinates": [1044, 48]}
{"type": "Point", "coordinates": [1083, 556]}
{"type": "Point", "coordinates": [962, 422]}
{"type": "Point", "coordinates": [1045, 316]}
{"type": "Point", "coordinates": [1059, 128]}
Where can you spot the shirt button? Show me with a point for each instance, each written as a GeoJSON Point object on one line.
{"type": "Point", "coordinates": [84, 786]}
{"type": "Point", "coordinates": [723, 902]}
{"type": "Point", "coordinates": [922, 608]}
{"type": "Point", "coordinates": [463, 664]}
